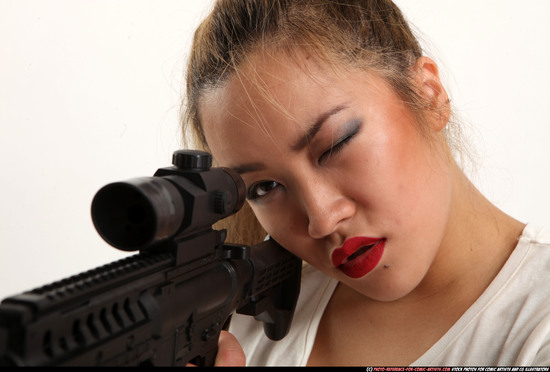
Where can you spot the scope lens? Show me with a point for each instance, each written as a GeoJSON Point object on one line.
{"type": "Point", "coordinates": [123, 216]}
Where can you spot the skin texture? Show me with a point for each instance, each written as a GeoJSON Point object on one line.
{"type": "Point", "coordinates": [230, 353]}
{"type": "Point", "coordinates": [330, 156]}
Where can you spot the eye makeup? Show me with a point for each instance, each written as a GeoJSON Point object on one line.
{"type": "Point", "coordinates": [350, 129]}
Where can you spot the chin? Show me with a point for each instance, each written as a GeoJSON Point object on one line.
{"type": "Point", "coordinates": [387, 290]}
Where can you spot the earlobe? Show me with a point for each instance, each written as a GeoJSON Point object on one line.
{"type": "Point", "coordinates": [433, 92]}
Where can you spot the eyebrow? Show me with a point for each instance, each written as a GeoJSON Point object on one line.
{"type": "Point", "coordinates": [316, 127]}
{"type": "Point", "coordinates": [247, 168]}
{"type": "Point", "coordinates": [300, 144]}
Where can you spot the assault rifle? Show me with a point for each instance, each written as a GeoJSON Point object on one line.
{"type": "Point", "coordinates": [167, 304]}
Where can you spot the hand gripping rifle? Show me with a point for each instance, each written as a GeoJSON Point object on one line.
{"type": "Point", "coordinates": [166, 305]}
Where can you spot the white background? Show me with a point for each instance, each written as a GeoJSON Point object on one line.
{"type": "Point", "coordinates": [90, 93]}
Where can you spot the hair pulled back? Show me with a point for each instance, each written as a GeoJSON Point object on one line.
{"type": "Point", "coordinates": [368, 34]}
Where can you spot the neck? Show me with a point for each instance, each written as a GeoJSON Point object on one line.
{"type": "Point", "coordinates": [478, 241]}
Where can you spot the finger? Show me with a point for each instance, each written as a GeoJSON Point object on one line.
{"type": "Point", "coordinates": [230, 352]}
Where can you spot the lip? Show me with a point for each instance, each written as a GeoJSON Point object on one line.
{"type": "Point", "coordinates": [364, 262]}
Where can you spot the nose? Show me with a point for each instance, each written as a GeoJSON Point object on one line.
{"type": "Point", "coordinates": [326, 208]}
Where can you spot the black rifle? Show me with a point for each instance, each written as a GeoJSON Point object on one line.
{"type": "Point", "coordinates": [166, 305]}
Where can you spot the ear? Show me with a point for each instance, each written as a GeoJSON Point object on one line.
{"type": "Point", "coordinates": [431, 89]}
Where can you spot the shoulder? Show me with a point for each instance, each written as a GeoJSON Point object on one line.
{"type": "Point", "coordinates": [536, 234]}
{"type": "Point", "coordinates": [532, 254]}
{"type": "Point", "coordinates": [522, 285]}
{"type": "Point", "coordinates": [510, 323]}
{"type": "Point", "coordinates": [526, 298]}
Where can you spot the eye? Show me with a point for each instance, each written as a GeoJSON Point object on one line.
{"type": "Point", "coordinates": [337, 146]}
{"type": "Point", "coordinates": [261, 189]}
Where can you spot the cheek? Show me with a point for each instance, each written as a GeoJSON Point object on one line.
{"type": "Point", "coordinates": [398, 178]}
{"type": "Point", "coordinates": [276, 223]}
{"type": "Point", "coordinates": [287, 225]}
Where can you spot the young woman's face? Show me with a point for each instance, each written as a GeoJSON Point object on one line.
{"type": "Point", "coordinates": [336, 171]}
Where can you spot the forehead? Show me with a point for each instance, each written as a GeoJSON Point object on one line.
{"type": "Point", "coordinates": [271, 82]}
{"type": "Point", "coordinates": [274, 98]}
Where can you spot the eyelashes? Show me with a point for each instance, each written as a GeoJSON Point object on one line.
{"type": "Point", "coordinates": [353, 128]}
{"type": "Point", "coordinates": [262, 189]}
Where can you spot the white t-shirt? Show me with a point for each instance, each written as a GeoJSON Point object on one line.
{"type": "Point", "coordinates": [508, 325]}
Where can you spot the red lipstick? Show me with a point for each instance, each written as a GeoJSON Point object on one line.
{"type": "Point", "coordinates": [358, 256]}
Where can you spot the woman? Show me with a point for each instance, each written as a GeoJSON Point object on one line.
{"type": "Point", "coordinates": [342, 132]}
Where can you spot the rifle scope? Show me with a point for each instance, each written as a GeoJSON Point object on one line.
{"type": "Point", "coordinates": [142, 212]}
